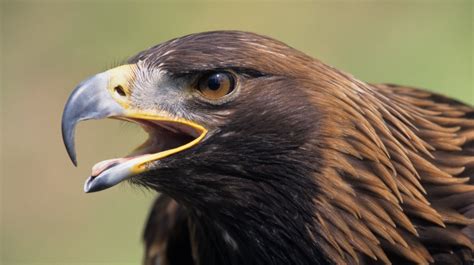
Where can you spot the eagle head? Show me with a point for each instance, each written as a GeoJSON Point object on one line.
{"type": "Point", "coordinates": [226, 113]}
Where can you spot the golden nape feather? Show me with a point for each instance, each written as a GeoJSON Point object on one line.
{"type": "Point", "coordinates": [402, 187]}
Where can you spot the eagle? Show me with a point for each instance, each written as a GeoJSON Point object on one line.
{"type": "Point", "coordinates": [262, 154]}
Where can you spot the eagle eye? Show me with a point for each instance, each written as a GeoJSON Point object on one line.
{"type": "Point", "coordinates": [119, 90]}
{"type": "Point", "coordinates": [216, 85]}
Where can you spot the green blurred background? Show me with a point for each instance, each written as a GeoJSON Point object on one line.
{"type": "Point", "coordinates": [48, 47]}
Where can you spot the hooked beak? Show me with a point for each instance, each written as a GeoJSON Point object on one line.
{"type": "Point", "coordinates": [106, 95]}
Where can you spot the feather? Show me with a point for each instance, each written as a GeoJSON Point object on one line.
{"type": "Point", "coordinates": [353, 172]}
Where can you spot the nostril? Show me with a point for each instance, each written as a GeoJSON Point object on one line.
{"type": "Point", "coordinates": [119, 90]}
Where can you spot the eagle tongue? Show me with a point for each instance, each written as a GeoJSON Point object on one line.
{"type": "Point", "coordinates": [100, 167]}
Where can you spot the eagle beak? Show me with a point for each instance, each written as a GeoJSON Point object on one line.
{"type": "Point", "coordinates": [105, 95]}
{"type": "Point", "coordinates": [89, 100]}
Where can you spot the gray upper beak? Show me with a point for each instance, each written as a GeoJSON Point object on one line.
{"type": "Point", "coordinates": [89, 100]}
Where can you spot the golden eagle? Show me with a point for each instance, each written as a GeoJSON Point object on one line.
{"type": "Point", "coordinates": [265, 155]}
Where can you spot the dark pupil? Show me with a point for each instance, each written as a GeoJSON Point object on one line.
{"type": "Point", "coordinates": [214, 82]}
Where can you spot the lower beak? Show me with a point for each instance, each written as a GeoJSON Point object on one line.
{"type": "Point", "coordinates": [92, 99]}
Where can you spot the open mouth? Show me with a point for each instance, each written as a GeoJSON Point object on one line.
{"type": "Point", "coordinates": [165, 137]}
{"type": "Point", "coordinates": [162, 136]}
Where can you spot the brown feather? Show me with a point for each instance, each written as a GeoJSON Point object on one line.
{"type": "Point", "coordinates": [424, 149]}
{"type": "Point", "coordinates": [396, 184]}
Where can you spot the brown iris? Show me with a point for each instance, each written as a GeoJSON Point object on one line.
{"type": "Point", "coordinates": [216, 85]}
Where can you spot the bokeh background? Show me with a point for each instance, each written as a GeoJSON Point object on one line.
{"type": "Point", "coordinates": [47, 47]}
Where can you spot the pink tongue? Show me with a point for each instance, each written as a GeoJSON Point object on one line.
{"type": "Point", "coordinates": [100, 167]}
